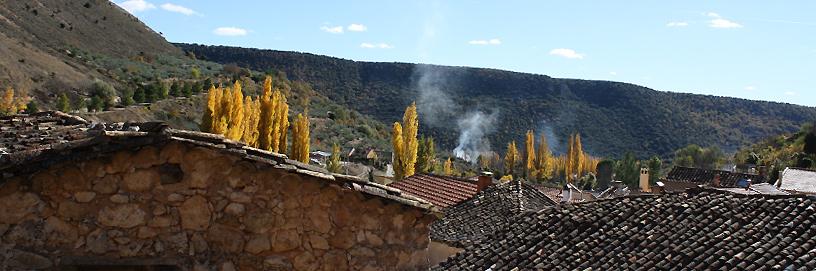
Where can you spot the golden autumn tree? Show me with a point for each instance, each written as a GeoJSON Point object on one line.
{"type": "Point", "coordinates": [578, 156]}
{"type": "Point", "coordinates": [544, 160]}
{"type": "Point", "coordinates": [405, 155]}
{"type": "Point", "coordinates": [300, 139]}
{"type": "Point", "coordinates": [273, 122]}
{"type": "Point", "coordinates": [529, 145]}
{"type": "Point", "coordinates": [397, 144]}
{"type": "Point", "coordinates": [511, 158]}
{"type": "Point", "coordinates": [333, 165]}
{"type": "Point", "coordinates": [11, 103]}
{"type": "Point", "coordinates": [235, 125]}
{"type": "Point", "coordinates": [568, 167]}
{"type": "Point", "coordinates": [448, 167]}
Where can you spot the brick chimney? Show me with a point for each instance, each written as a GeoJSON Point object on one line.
{"type": "Point", "coordinates": [644, 180]}
{"type": "Point", "coordinates": [484, 180]}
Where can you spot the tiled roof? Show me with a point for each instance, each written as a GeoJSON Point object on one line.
{"type": "Point", "coordinates": [706, 176]}
{"type": "Point", "coordinates": [698, 230]}
{"type": "Point", "coordinates": [552, 193]}
{"type": "Point", "coordinates": [492, 209]}
{"type": "Point", "coordinates": [798, 180]}
{"type": "Point", "coordinates": [755, 189]}
{"type": "Point", "coordinates": [441, 191]}
{"type": "Point", "coordinates": [29, 143]}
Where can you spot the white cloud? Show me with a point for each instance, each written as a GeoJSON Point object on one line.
{"type": "Point", "coordinates": [177, 9]}
{"type": "Point", "coordinates": [134, 6]}
{"type": "Point", "coordinates": [613, 73]}
{"type": "Point", "coordinates": [568, 53]}
{"type": "Point", "coordinates": [230, 31]}
{"type": "Point", "coordinates": [485, 42]}
{"type": "Point", "coordinates": [750, 88]}
{"type": "Point", "coordinates": [677, 24]}
{"type": "Point", "coordinates": [356, 28]}
{"type": "Point", "coordinates": [712, 15]}
{"type": "Point", "coordinates": [790, 93]}
{"type": "Point", "coordinates": [375, 45]}
{"type": "Point", "coordinates": [332, 29]}
{"type": "Point", "coordinates": [723, 23]}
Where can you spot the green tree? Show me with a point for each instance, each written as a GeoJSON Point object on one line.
{"type": "Point", "coordinates": [139, 95]}
{"type": "Point", "coordinates": [195, 73]}
{"type": "Point", "coordinates": [187, 90]}
{"type": "Point", "coordinates": [63, 103]}
{"type": "Point", "coordinates": [627, 170]}
{"type": "Point", "coordinates": [175, 89]}
{"type": "Point", "coordinates": [333, 165]}
{"type": "Point", "coordinates": [32, 107]}
{"type": "Point", "coordinates": [655, 167]}
{"type": "Point", "coordinates": [699, 157]}
{"type": "Point", "coordinates": [96, 105]}
{"type": "Point", "coordinates": [105, 93]}
{"type": "Point", "coordinates": [426, 155]}
{"type": "Point", "coordinates": [127, 97]}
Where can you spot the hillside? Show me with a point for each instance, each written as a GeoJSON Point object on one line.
{"type": "Point", "coordinates": [50, 46]}
{"type": "Point", "coordinates": [612, 117]}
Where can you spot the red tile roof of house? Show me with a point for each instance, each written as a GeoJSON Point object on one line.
{"type": "Point", "coordinates": [441, 191]}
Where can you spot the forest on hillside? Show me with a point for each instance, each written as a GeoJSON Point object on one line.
{"type": "Point", "coordinates": [612, 117]}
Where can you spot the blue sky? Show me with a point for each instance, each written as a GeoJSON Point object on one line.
{"type": "Point", "coordinates": [761, 50]}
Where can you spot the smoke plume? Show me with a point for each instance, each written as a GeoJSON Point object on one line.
{"type": "Point", "coordinates": [434, 104]}
{"type": "Point", "coordinates": [472, 137]}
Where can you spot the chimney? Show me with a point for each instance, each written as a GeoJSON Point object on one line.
{"type": "Point", "coordinates": [644, 180]}
{"type": "Point", "coordinates": [484, 180]}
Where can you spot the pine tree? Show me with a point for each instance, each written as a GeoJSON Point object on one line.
{"type": "Point", "coordinates": [529, 145]}
{"type": "Point", "coordinates": [300, 139]}
{"type": "Point", "coordinates": [175, 89]}
{"type": "Point", "coordinates": [333, 165]}
{"type": "Point", "coordinates": [511, 158]}
{"type": "Point", "coordinates": [448, 167]}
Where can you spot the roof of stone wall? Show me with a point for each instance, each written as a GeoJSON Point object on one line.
{"type": "Point", "coordinates": [697, 230]}
{"type": "Point", "coordinates": [490, 210]}
{"type": "Point", "coordinates": [29, 143]}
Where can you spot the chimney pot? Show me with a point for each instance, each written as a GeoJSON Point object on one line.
{"type": "Point", "coordinates": [484, 180]}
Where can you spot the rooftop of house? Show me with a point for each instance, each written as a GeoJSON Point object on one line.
{"type": "Point", "coordinates": [441, 191]}
{"type": "Point", "coordinates": [699, 229]}
{"type": "Point", "coordinates": [490, 210]}
{"type": "Point", "coordinates": [29, 143]}
{"type": "Point", "coordinates": [755, 189]}
{"type": "Point", "coordinates": [798, 180]}
{"type": "Point", "coordinates": [701, 176]}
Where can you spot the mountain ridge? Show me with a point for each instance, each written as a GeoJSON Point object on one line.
{"type": "Point", "coordinates": [643, 120]}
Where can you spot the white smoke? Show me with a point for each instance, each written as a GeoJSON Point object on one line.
{"type": "Point", "coordinates": [472, 137]}
{"type": "Point", "coordinates": [434, 104]}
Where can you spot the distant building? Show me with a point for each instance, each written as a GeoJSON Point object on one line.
{"type": "Point", "coordinates": [681, 178]}
{"type": "Point", "coordinates": [798, 181]}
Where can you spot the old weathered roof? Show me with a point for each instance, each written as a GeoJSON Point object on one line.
{"type": "Point", "coordinates": [798, 180]}
{"type": "Point", "coordinates": [29, 143]}
{"type": "Point", "coordinates": [701, 176]}
{"type": "Point", "coordinates": [697, 230]}
{"type": "Point", "coordinates": [755, 189]}
{"type": "Point", "coordinates": [490, 210]}
{"type": "Point", "coordinates": [442, 191]}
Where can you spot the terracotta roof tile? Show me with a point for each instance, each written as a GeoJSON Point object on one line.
{"type": "Point", "coordinates": [698, 230]}
{"type": "Point", "coordinates": [442, 191]}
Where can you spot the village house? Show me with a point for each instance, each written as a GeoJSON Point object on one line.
{"type": "Point", "coordinates": [489, 211]}
{"type": "Point", "coordinates": [142, 196]}
{"type": "Point", "coordinates": [442, 191]}
{"type": "Point", "coordinates": [796, 180]}
{"type": "Point", "coordinates": [702, 229]}
{"type": "Point", "coordinates": [681, 178]}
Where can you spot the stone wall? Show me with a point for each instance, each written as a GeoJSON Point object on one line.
{"type": "Point", "coordinates": [201, 209]}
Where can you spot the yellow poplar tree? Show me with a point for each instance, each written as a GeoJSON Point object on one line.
{"type": "Point", "coordinates": [448, 168]}
{"type": "Point", "coordinates": [406, 153]}
{"type": "Point", "coordinates": [235, 123]}
{"type": "Point", "coordinates": [568, 167]}
{"type": "Point", "coordinates": [578, 156]}
{"type": "Point", "coordinates": [300, 139]}
{"type": "Point", "coordinates": [511, 158]}
{"type": "Point", "coordinates": [209, 111]}
{"type": "Point", "coordinates": [397, 144]}
{"type": "Point", "coordinates": [529, 146]}
{"type": "Point", "coordinates": [9, 104]}
{"type": "Point", "coordinates": [544, 163]}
